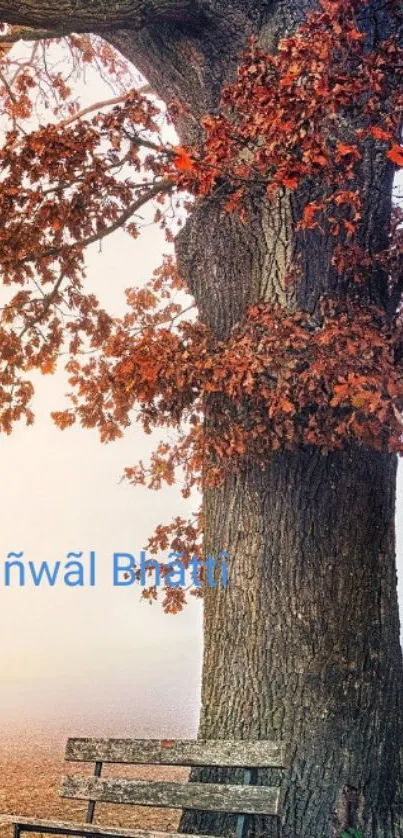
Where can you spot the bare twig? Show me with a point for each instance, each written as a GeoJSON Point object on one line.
{"type": "Point", "coordinates": [97, 106]}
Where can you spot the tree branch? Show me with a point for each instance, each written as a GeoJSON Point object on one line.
{"type": "Point", "coordinates": [60, 17]}
{"type": "Point", "coordinates": [160, 188]}
{"type": "Point", "coordinates": [97, 106]}
{"type": "Point", "coordinates": [26, 33]}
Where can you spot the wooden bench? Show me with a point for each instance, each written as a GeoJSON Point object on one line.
{"type": "Point", "coordinates": [244, 800]}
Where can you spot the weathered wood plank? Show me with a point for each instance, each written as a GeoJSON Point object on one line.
{"type": "Point", "coordinates": [209, 797]}
{"type": "Point", "coordinates": [179, 752]}
{"type": "Point", "coordinates": [74, 828]}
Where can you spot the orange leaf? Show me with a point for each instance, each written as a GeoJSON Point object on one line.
{"type": "Point", "coordinates": [183, 161]}
{"type": "Point", "coordinates": [290, 181]}
{"type": "Point", "coordinates": [355, 35]}
{"type": "Point", "coordinates": [309, 212]}
{"type": "Point", "coordinates": [379, 133]}
{"type": "Point", "coordinates": [345, 149]}
{"type": "Point", "coordinates": [287, 406]}
{"type": "Point", "coordinates": [395, 154]}
{"type": "Point", "coordinates": [48, 366]}
{"type": "Point", "coordinates": [63, 419]}
{"type": "Point", "coordinates": [350, 227]}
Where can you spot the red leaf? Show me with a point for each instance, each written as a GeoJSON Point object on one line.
{"type": "Point", "coordinates": [395, 154]}
{"type": "Point", "coordinates": [309, 212]}
{"type": "Point", "coordinates": [355, 35]}
{"type": "Point", "coordinates": [291, 181]}
{"type": "Point", "coordinates": [379, 133]}
{"type": "Point", "coordinates": [183, 161]}
{"type": "Point", "coordinates": [345, 149]}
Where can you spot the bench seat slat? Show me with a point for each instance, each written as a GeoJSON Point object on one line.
{"type": "Point", "coordinates": [74, 828]}
{"type": "Point", "coordinates": [209, 797]}
{"type": "Point", "coordinates": [261, 754]}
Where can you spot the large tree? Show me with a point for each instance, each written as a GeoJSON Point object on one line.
{"type": "Point", "coordinates": [303, 645]}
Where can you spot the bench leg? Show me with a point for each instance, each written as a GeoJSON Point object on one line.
{"type": "Point", "coordinates": [91, 804]}
{"type": "Point", "coordinates": [243, 823]}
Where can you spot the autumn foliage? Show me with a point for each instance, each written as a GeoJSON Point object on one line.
{"type": "Point", "coordinates": [303, 120]}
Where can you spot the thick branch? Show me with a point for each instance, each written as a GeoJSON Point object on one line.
{"type": "Point", "coordinates": [59, 17]}
{"type": "Point", "coordinates": [26, 33]}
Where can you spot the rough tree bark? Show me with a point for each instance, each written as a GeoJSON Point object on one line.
{"type": "Point", "coordinates": [304, 644]}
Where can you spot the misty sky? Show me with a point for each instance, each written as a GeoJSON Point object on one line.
{"type": "Point", "coordinates": [62, 492]}
{"type": "Point", "coordinates": [93, 660]}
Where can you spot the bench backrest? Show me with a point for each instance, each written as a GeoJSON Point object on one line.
{"type": "Point", "coordinates": [247, 799]}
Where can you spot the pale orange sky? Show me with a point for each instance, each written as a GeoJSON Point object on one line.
{"type": "Point", "coordinates": [61, 491]}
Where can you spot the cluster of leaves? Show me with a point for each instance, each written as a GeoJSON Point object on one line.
{"type": "Point", "coordinates": [280, 380]}
{"type": "Point", "coordinates": [64, 186]}
{"type": "Point", "coordinates": [70, 183]}
{"type": "Point", "coordinates": [31, 82]}
{"type": "Point", "coordinates": [181, 537]}
{"type": "Point", "coordinates": [305, 114]}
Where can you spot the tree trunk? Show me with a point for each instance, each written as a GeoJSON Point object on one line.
{"type": "Point", "coordinates": [304, 644]}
